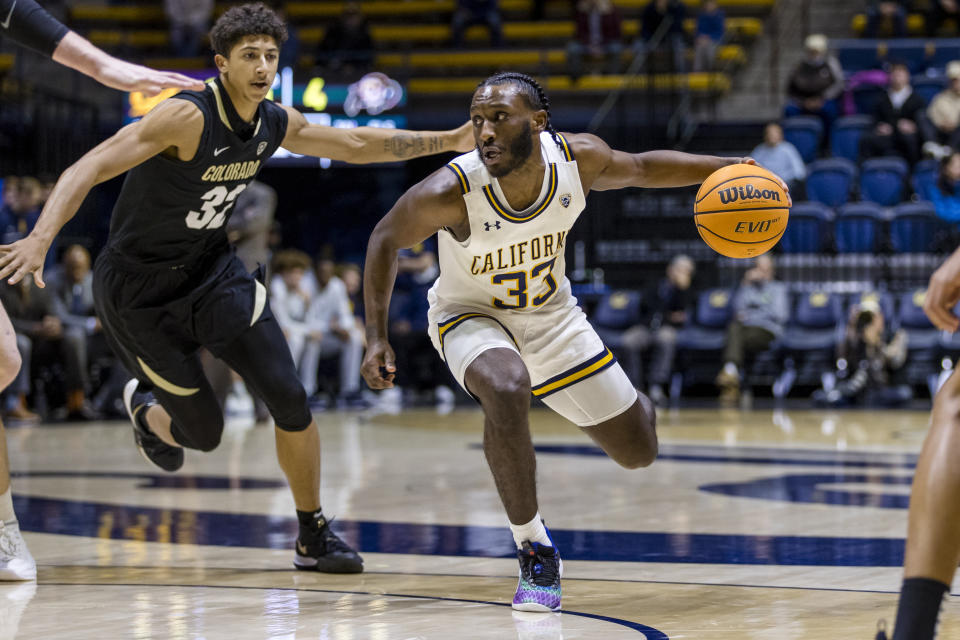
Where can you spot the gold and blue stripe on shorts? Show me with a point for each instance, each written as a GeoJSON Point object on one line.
{"type": "Point", "coordinates": [567, 151]}
{"type": "Point", "coordinates": [447, 325]}
{"type": "Point", "coordinates": [461, 177]}
{"type": "Point", "coordinates": [504, 212]}
{"type": "Point", "coordinates": [576, 374]}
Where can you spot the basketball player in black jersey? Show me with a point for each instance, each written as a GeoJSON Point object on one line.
{"type": "Point", "coordinates": [167, 282]}
{"type": "Point", "coordinates": [28, 24]}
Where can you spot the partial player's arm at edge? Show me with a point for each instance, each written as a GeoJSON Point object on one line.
{"type": "Point", "coordinates": [603, 168]}
{"type": "Point", "coordinates": [422, 211]}
{"type": "Point", "coordinates": [364, 145]}
{"type": "Point", "coordinates": [174, 124]}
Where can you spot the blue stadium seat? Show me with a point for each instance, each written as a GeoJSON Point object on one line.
{"type": "Point", "coordinates": [914, 228]}
{"type": "Point", "coordinates": [923, 341]}
{"type": "Point", "coordinates": [866, 97]}
{"type": "Point", "coordinates": [700, 343]}
{"type": "Point", "coordinates": [914, 52]}
{"type": "Point", "coordinates": [928, 86]}
{"type": "Point", "coordinates": [924, 179]}
{"type": "Point", "coordinates": [856, 55]}
{"type": "Point", "coordinates": [829, 181]}
{"type": "Point", "coordinates": [809, 227]}
{"type": "Point", "coordinates": [882, 299]}
{"type": "Point", "coordinates": [617, 310]}
{"type": "Point", "coordinates": [845, 136]}
{"type": "Point", "coordinates": [857, 227]}
{"type": "Point", "coordinates": [805, 133]}
{"type": "Point", "coordinates": [809, 343]}
{"type": "Point", "coordinates": [882, 180]}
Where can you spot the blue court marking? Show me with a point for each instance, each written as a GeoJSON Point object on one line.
{"type": "Point", "coordinates": [648, 632]}
{"type": "Point", "coordinates": [806, 489]}
{"type": "Point", "coordinates": [129, 522]}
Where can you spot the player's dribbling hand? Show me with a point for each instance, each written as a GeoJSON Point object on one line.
{"type": "Point", "coordinates": [23, 257]}
{"type": "Point", "coordinates": [943, 293]}
{"type": "Point", "coordinates": [783, 185]}
{"type": "Point", "coordinates": [379, 365]}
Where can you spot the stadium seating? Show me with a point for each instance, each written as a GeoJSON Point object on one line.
{"type": "Point", "coordinates": [882, 180]}
{"type": "Point", "coordinates": [616, 312]}
{"type": "Point", "coordinates": [914, 228]}
{"type": "Point", "coordinates": [923, 341]}
{"type": "Point", "coordinates": [928, 87]}
{"type": "Point", "coordinates": [805, 133]}
{"type": "Point", "coordinates": [700, 343]}
{"type": "Point", "coordinates": [858, 227]}
{"type": "Point", "coordinates": [809, 228]}
{"type": "Point", "coordinates": [866, 97]}
{"type": "Point", "coordinates": [924, 178]}
{"type": "Point", "coordinates": [846, 134]}
{"type": "Point", "coordinates": [829, 181]}
{"type": "Point", "coordinates": [810, 341]}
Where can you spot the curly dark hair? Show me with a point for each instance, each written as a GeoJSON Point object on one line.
{"type": "Point", "coordinates": [254, 19]}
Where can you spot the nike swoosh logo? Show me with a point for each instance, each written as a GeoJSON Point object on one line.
{"type": "Point", "coordinates": [217, 152]}
{"type": "Point", "coordinates": [6, 23]}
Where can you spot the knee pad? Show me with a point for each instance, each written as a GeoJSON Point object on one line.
{"type": "Point", "coordinates": [203, 435]}
{"type": "Point", "coordinates": [288, 406]}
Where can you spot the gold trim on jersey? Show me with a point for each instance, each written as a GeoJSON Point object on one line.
{"type": "Point", "coordinates": [163, 383]}
{"type": "Point", "coordinates": [219, 100]}
{"type": "Point", "coordinates": [504, 212]}
{"type": "Point", "coordinates": [259, 301]}
{"type": "Point", "coordinates": [447, 325]}
{"type": "Point", "coordinates": [461, 176]}
{"type": "Point", "coordinates": [567, 151]}
{"type": "Point", "coordinates": [576, 374]}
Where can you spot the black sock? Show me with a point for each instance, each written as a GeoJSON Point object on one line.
{"type": "Point", "coordinates": [919, 608]}
{"type": "Point", "coordinates": [306, 517]}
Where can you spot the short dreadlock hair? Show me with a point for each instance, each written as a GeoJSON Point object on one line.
{"type": "Point", "coordinates": [253, 19]}
{"type": "Point", "coordinates": [530, 89]}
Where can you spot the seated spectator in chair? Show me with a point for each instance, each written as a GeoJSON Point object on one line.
{"type": "Point", "coordinates": [867, 362]}
{"type": "Point", "coordinates": [471, 12]}
{"type": "Point", "coordinates": [886, 19]}
{"type": "Point", "coordinates": [816, 83]}
{"type": "Point", "coordinates": [597, 36]}
{"type": "Point", "coordinates": [347, 46]}
{"type": "Point", "coordinates": [666, 307]}
{"type": "Point", "coordinates": [943, 17]}
{"type": "Point", "coordinates": [945, 195]}
{"type": "Point", "coordinates": [944, 116]}
{"type": "Point", "coordinates": [898, 120]}
{"type": "Point", "coordinates": [333, 332]}
{"type": "Point", "coordinates": [780, 157]}
{"type": "Point", "coordinates": [760, 312]}
{"type": "Point", "coordinates": [352, 278]}
{"type": "Point", "coordinates": [674, 40]}
{"type": "Point", "coordinates": [711, 26]}
{"type": "Point", "coordinates": [72, 291]}
{"type": "Point", "coordinates": [290, 299]}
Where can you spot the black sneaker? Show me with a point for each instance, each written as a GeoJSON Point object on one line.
{"type": "Point", "coordinates": [151, 447]}
{"type": "Point", "coordinates": [881, 630]}
{"type": "Point", "coordinates": [320, 549]}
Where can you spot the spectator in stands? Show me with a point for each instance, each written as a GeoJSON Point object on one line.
{"type": "Point", "coordinates": [347, 46]}
{"type": "Point", "coordinates": [710, 30]}
{"type": "Point", "coordinates": [816, 83]}
{"type": "Point", "coordinates": [665, 309]}
{"type": "Point", "coordinates": [352, 278]}
{"type": "Point", "coordinates": [72, 291]}
{"type": "Point", "coordinates": [943, 17]}
{"type": "Point", "coordinates": [290, 299]}
{"type": "Point", "coordinates": [20, 213]}
{"type": "Point", "coordinates": [886, 19]}
{"type": "Point", "coordinates": [944, 115]}
{"type": "Point", "coordinates": [761, 309]}
{"type": "Point", "coordinates": [898, 116]}
{"type": "Point", "coordinates": [780, 157]}
{"type": "Point", "coordinates": [597, 36]}
{"type": "Point", "coordinates": [189, 22]}
{"type": "Point", "coordinates": [946, 194]}
{"type": "Point", "coordinates": [471, 12]}
{"type": "Point", "coordinates": [867, 362]}
{"type": "Point", "coordinates": [671, 14]}
{"type": "Point", "coordinates": [333, 332]}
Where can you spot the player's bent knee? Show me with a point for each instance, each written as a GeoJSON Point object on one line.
{"type": "Point", "coordinates": [10, 363]}
{"type": "Point", "coordinates": [289, 408]}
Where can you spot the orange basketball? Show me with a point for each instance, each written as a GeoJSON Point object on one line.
{"type": "Point", "coordinates": [741, 211]}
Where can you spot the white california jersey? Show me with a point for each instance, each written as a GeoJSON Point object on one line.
{"type": "Point", "coordinates": [513, 260]}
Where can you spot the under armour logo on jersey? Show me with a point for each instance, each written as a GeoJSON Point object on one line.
{"type": "Point", "coordinates": [261, 147]}
{"type": "Point", "coordinates": [565, 200]}
{"type": "Point", "coordinates": [487, 226]}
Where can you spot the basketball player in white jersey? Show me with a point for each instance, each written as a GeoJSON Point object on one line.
{"type": "Point", "coordinates": [501, 313]}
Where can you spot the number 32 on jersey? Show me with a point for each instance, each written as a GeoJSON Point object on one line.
{"type": "Point", "coordinates": [521, 279]}
{"type": "Point", "coordinates": [216, 205]}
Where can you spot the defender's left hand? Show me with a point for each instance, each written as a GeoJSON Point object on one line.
{"type": "Point", "coordinates": [23, 257]}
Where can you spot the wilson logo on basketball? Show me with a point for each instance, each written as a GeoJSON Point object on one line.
{"type": "Point", "coordinates": [755, 227]}
{"type": "Point", "coordinates": [747, 192]}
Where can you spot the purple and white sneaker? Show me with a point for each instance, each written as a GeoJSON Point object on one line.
{"type": "Point", "coordinates": [539, 586]}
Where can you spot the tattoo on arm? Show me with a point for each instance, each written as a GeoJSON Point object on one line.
{"type": "Point", "coordinates": [404, 145]}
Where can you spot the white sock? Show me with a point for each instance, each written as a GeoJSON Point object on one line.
{"type": "Point", "coordinates": [6, 506]}
{"type": "Point", "coordinates": [533, 531]}
{"type": "Point", "coordinates": [730, 369]}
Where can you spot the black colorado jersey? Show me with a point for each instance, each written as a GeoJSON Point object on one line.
{"type": "Point", "coordinates": [172, 212]}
